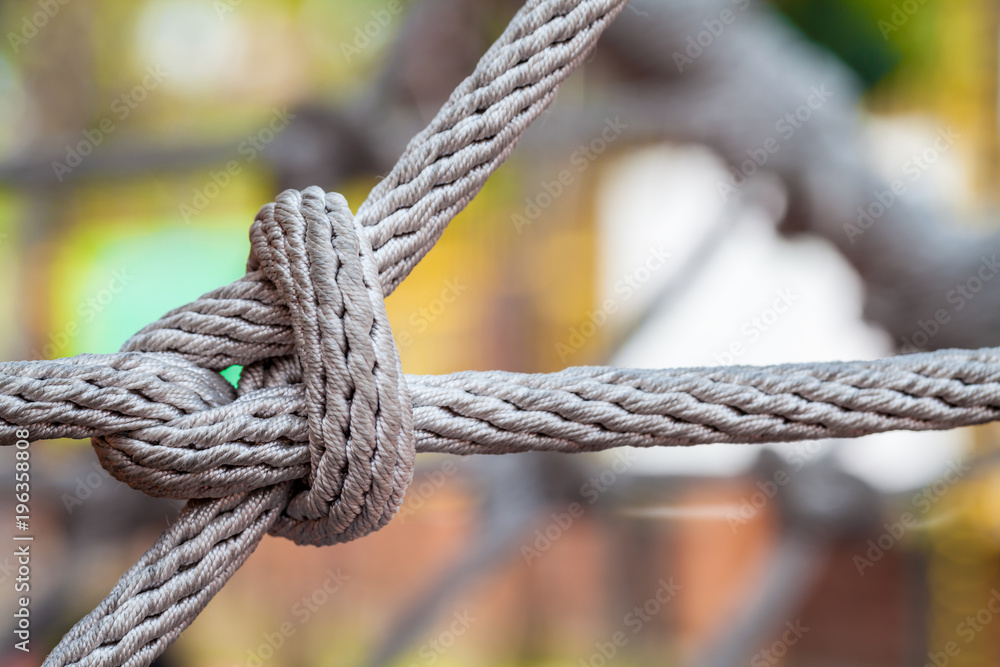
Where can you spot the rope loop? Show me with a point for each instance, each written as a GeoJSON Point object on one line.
{"type": "Point", "coordinates": [358, 407]}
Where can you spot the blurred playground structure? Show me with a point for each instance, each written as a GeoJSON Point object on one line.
{"type": "Point", "coordinates": [704, 211]}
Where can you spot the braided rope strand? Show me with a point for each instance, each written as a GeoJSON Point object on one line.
{"type": "Point", "coordinates": [445, 165]}
{"type": "Point", "coordinates": [265, 436]}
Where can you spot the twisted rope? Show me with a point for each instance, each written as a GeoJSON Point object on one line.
{"type": "Point", "coordinates": [317, 442]}
{"type": "Point", "coordinates": [263, 437]}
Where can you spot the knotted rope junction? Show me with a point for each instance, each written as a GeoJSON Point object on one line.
{"type": "Point", "coordinates": [317, 443]}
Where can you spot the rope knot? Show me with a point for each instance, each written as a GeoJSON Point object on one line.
{"type": "Point", "coordinates": [333, 420]}
{"type": "Point", "coordinates": [360, 420]}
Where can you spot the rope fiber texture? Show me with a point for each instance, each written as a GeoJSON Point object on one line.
{"type": "Point", "coordinates": [317, 442]}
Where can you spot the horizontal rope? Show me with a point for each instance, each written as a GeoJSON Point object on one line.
{"type": "Point", "coordinates": [591, 409]}
{"type": "Point", "coordinates": [188, 450]}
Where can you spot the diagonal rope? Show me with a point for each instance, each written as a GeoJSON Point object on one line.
{"type": "Point", "coordinates": [168, 587]}
{"type": "Point", "coordinates": [440, 171]}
